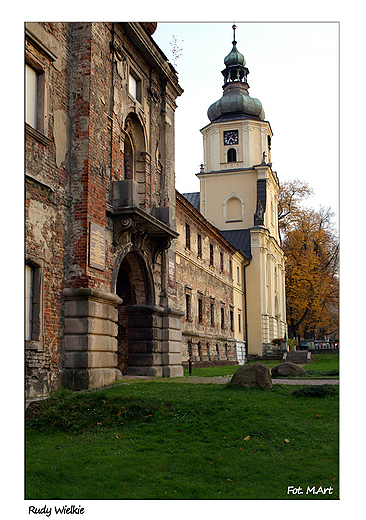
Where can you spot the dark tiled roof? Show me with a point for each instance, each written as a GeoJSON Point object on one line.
{"type": "Point", "coordinates": [193, 198]}
{"type": "Point", "coordinates": [240, 239]}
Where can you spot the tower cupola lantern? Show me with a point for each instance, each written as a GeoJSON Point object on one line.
{"type": "Point", "coordinates": [235, 69]}
{"type": "Point", "coordinates": [235, 100]}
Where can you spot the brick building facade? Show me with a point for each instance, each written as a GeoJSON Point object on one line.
{"type": "Point", "coordinates": [100, 205]}
{"type": "Point", "coordinates": [207, 267]}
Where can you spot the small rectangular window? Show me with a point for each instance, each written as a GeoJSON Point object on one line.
{"type": "Point", "coordinates": [231, 320]}
{"type": "Point", "coordinates": [211, 255]}
{"type": "Point", "coordinates": [239, 322]}
{"type": "Point", "coordinates": [238, 274]}
{"type": "Point", "coordinates": [35, 103]}
{"type": "Point", "coordinates": [212, 314]}
{"type": "Point", "coordinates": [188, 237]}
{"type": "Point", "coordinates": [221, 261]}
{"type": "Point", "coordinates": [31, 90]}
{"type": "Point", "coordinates": [29, 278]}
{"type": "Point", "coordinates": [199, 246]}
{"type": "Point", "coordinates": [200, 311]}
{"type": "Point", "coordinates": [134, 86]}
{"type": "Point", "coordinates": [33, 326]}
{"type": "Point", "coordinates": [231, 268]}
{"type": "Point", "coordinates": [188, 306]}
{"type": "Point", "coordinates": [222, 318]}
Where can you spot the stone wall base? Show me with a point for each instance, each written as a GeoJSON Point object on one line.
{"type": "Point", "coordinates": [41, 383]}
{"type": "Point", "coordinates": [90, 339]}
{"type": "Point", "coordinates": [85, 378]}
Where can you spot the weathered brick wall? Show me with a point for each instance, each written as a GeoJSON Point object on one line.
{"type": "Point", "coordinates": [70, 171]}
{"type": "Point", "coordinates": [46, 204]}
{"type": "Point", "coordinates": [198, 279]}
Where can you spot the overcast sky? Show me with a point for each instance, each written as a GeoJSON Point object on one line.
{"type": "Point", "coordinates": [294, 72]}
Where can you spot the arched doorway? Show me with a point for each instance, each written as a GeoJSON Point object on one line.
{"type": "Point", "coordinates": [134, 286]}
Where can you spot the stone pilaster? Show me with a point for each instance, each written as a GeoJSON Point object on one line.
{"type": "Point", "coordinates": [90, 338]}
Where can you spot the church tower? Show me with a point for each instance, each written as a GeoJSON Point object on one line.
{"type": "Point", "coordinates": [238, 195]}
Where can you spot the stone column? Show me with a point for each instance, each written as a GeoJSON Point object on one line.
{"type": "Point", "coordinates": [154, 341]}
{"type": "Point", "coordinates": [90, 338]}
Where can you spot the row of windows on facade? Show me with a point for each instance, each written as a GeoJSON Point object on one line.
{"type": "Point", "coordinates": [208, 349]}
{"type": "Point", "coordinates": [212, 313]}
{"type": "Point", "coordinates": [199, 252]}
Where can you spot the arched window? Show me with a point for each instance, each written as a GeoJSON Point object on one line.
{"type": "Point", "coordinates": [231, 155]}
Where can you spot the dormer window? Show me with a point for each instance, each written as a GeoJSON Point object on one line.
{"type": "Point", "coordinates": [231, 155]}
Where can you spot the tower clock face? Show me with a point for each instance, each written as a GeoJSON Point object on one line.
{"type": "Point", "coordinates": [231, 137]}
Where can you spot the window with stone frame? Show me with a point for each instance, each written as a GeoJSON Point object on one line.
{"type": "Point", "coordinates": [211, 255]}
{"type": "Point", "coordinates": [222, 318]}
{"type": "Point", "coordinates": [135, 85]}
{"type": "Point", "coordinates": [35, 102]}
{"type": "Point", "coordinates": [188, 236]}
{"type": "Point", "coordinates": [188, 306]}
{"type": "Point", "coordinates": [200, 310]}
{"type": "Point", "coordinates": [33, 304]}
{"type": "Point", "coordinates": [221, 261]}
{"type": "Point", "coordinates": [199, 246]}
{"type": "Point", "coordinates": [231, 320]}
{"type": "Point", "coordinates": [212, 309]}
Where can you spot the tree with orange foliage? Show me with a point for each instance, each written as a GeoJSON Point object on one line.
{"type": "Point", "coordinates": [310, 244]}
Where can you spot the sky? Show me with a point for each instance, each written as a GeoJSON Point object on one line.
{"type": "Point", "coordinates": [294, 72]}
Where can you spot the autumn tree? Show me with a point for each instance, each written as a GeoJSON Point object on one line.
{"type": "Point", "coordinates": [310, 244]}
{"type": "Point", "coordinates": [290, 198]}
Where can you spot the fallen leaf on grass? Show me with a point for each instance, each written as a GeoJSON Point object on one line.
{"type": "Point", "coordinates": [286, 440]}
{"type": "Point", "coordinates": [247, 438]}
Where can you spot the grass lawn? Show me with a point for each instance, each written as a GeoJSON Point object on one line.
{"type": "Point", "coordinates": [321, 365]}
{"type": "Point", "coordinates": [161, 439]}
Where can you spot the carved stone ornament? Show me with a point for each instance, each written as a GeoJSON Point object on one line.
{"type": "Point", "coordinates": [121, 225]}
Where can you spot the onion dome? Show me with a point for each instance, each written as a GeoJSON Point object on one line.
{"type": "Point", "coordinates": [235, 102]}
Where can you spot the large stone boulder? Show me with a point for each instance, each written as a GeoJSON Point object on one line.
{"type": "Point", "coordinates": [252, 376]}
{"type": "Point", "coordinates": [287, 369]}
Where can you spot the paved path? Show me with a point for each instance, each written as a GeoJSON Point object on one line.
{"type": "Point", "coordinates": [223, 380]}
